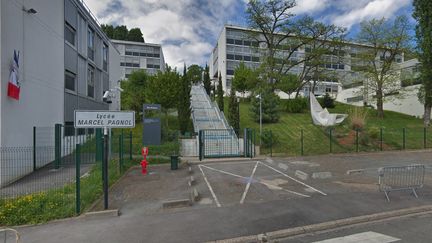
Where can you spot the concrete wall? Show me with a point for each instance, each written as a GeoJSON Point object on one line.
{"type": "Point", "coordinates": [39, 38]}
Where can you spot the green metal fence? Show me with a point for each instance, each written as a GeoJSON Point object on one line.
{"type": "Point", "coordinates": [351, 141]}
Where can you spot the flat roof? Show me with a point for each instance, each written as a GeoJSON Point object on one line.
{"type": "Point", "coordinates": [134, 43]}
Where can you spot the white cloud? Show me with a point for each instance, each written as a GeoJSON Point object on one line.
{"type": "Point", "coordinates": [310, 6]}
{"type": "Point", "coordinates": [364, 10]}
{"type": "Point", "coordinates": [187, 29]}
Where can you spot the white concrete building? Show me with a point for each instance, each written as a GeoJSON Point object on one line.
{"type": "Point", "coordinates": [66, 63]}
{"type": "Point", "coordinates": [235, 45]}
{"type": "Point", "coordinates": [139, 55]}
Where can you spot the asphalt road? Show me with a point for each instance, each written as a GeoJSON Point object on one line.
{"type": "Point", "coordinates": [416, 229]}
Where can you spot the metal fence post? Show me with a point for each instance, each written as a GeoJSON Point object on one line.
{"type": "Point", "coordinates": [357, 140]}
{"type": "Point", "coordinates": [424, 137]}
{"type": "Point", "coordinates": [77, 179]}
{"type": "Point", "coordinates": [34, 148]}
{"type": "Point", "coordinates": [57, 145]}
{"type": "Point", "coordinates": [130, 145]}
{"type": "Point", "coordinates": [330, 132]}
{"type": "Point", "coordinates": [301, 143]}
{"type": "Point", "coordinates": [271, 143]}
{"type": "Point", "coordinates": [120, 149]}
{"type": "Point", "coordinates": [403, 138]}
{"type": "Point", "coordinates": [200, 144]}
{"type": "Point", "coordinates": [99, 143]}
{"type": "Point", "coordinates": [381, 139]}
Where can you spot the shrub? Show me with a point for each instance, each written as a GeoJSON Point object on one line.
{"type": "Point", "coordinates": [328, 101]}
{"type": "Point", "coordinates": [297, 105]}
{"type": "Point", "coordinates": [374, 132]}
{"type": "Point", "coordinates": [268, 138]}
{"type": "Point", "coordinates": [364, 139]}
{"type": "Point", "coordinates": [357, 117]}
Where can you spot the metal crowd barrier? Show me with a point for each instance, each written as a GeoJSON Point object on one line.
{"type": "Point", "coordinates": [398, 178]}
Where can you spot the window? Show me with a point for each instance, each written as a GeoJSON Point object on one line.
{"type": "Point", "coordinates": [246, 43]}
{"type": "Point", "coordinates": [128, 53]}
{"type": "Point", "coordinates": [90, 43]}
{"type": "Point", "coordinates": [105, 57]}
{"type": "Point", "coordinates": [239, 42]}
{"type": "Point", "coordinates": [230, 72]}
{"type": "Point", "coordinates": [136, 54]}
{"type": "Point", "coordinates": [70, 80]}
{"type": "Point", "coordinates": [328, 89]}
{"type": "Point", "coordinates": [255, 59]}
{"type": "Point", "coordinates": [156, 55]}
{"type": "Point", "coordinates": [255, 43]}
{"type": "Point", "coordinates": [69, 34]}
{"type": "Point", "coordinates": [230, 56]}
{"type": "Point", "coordinates": [247, 58]}
{"type": "Point", "coordinates": [157, 66]}
{"type": "Point", "coordinates": [238, 57]}
{"type": "Point", "coordinates": [90, 81]}
{"type": "Point", "coordinates": [230, 41]}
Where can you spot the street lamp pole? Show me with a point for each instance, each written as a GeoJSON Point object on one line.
{"type": "Point", "coordinates": [238, 116]}
{"type": "Point", "coordinates": [260, 97]}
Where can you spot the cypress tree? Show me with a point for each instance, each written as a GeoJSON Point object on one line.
{"type": "Point", "coordinates": [184, 110]}
{"type": "Point", "coordinates": [220, 98]}
{"type": "Point", "coordinates": [233, 111]}
{"type": "Point", "coordinates": [207, 83]}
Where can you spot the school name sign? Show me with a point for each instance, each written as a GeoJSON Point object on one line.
{"type": "Point", "coordinates": [102, 119]}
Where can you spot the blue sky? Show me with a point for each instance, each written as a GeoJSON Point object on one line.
{"type": "Point", "coordinates": [188, 29]}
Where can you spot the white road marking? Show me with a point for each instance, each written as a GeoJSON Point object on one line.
{"type": "Point", "coordinates": [268, 160]}
{"type": "Point", "coordinates": [304, 184]}
{"type": "Point", "coordinates": [259, 180]}
{"type": "Point", "coordinates": [283, 166]}
{"type": "Point", "coordinates": [210, 188]}
{"type": "Point", "coordinates": [365, 237]}
{"type": "Point", "coordinates": [248, 184]}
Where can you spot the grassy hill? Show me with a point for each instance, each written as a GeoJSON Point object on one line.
{"type": "Point", "coordinates": [316, 140]}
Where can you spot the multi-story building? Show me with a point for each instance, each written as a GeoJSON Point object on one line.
{"type": "Point", "coordinates": [66, 63]}
{"type": "Point", "coordinates": [139, 55]}
{"type": "Point", "coordinates": [236, 45]}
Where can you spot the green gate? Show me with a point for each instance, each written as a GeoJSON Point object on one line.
{"type": "Point", "coordinates": [224, 143]}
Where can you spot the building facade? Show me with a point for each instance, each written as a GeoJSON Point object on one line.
{"type": "Point", "coordinates": [236, 45]}
{"type": "Point", "coordinates": [139, 56]}
{"type": "Point", "coordinates": [66, 63]}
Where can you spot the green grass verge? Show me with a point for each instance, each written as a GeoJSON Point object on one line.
{"type": "Point", "coordinates": [316, 140]}
{"type": "Point", "coordinates": [58, 203]}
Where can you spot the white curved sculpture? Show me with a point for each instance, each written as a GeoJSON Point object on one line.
{"type": "Point", "coordinates": [321, 116]}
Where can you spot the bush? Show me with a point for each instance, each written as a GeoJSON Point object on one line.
{"type": "Point", "coordinates": [297, 105]}
{"type": "Point", "coordinates": [328, 101]}
{"type": "Point", "coordinates": [357, 117]}
{"type": "Point", "coordinates": [364, 139]}
{"type": "Point", "coordinates": [374, 132]}
{"type": "Point", "coordinates": [268, 138]}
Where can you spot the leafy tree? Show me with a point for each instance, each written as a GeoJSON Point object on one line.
{"type": "Point", "coordinates": [162, 89]}
{"type": "Point", "coordinates": [206, 81]}
{"type": "Point", "coordinates": [134, 88]}
{"type": "Point", "coordinates": [233, 111]}
{"type": "Point", "coordinates": [220, 94]}
{"type": "Point", "coordinates": [386, 41]}
{"type": "Point", "coordinates": [120, 32]}
{"type": "Point", "coordinates": [288, 83]}
{"type": "Point", "coordinates": [422, 13]}
{"type": "Point", "coordinates": [135, 34]}
{"type": "Point", "coordinates": [194, 73]}
{"type": "Point", "coordinates": [279, 31]}
{"type": "Point", "coordinates": [245, 78]}
{"type": "Point", "coordinates": [270, 106]}
{"type": "Point", "coordinates": [108, 29]}
{"type": "Point", "coordinates": [184, 110]}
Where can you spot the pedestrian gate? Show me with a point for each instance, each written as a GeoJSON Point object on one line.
{"type": "Point", "coordinates": [223, 143]}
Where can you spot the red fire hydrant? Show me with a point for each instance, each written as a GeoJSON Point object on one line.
{"type": "Point", "coordinates": [144, 162]}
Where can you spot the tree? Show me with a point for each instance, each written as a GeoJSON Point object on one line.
{"type": "Point", "coordinates": [206, 81]}
{"type": "Point", "coordinates": [133, 96]}
{"type": "Point", "coordinates": [386, 41]}
{"type": "Point", "coordinates": [269, 105]}
{"type": "Point", "coordinates": [220, 94]}
{"type": "Point", "coordinates": [162, 89]}
{"type": "Point", "coordinates": [184, 110]}
{"type": "Point", "coordinates": [233, 111]}
{"type": "Point", "coordinates": [288, 83]}
{"type": "Point", "coordinates": [120, 32]}
{"type": "Point", "coordinates": [194, 73]}
{"type": "Point", "coordinates": [422, 13]}
{"type": "Point", "coordinates": [282, 35]}
{"type": "Point", "coordinates": [108, 29]}
{"type": "Point", "coordinates": [245, 78]}
{"type": "Point", "coordinates": [135, 34]}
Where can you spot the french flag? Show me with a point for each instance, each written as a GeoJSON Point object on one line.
{"type": "Point", "coordinates": [13, 84]}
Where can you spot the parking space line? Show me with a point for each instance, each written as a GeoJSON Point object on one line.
{"type": "Point", "coordinates": [210, 188]}
{"type": "Point", "coordinates": [259, 180]}
{"type": "Point", "coordinates": [304, 184]}
{"type": "Point", "coordinates": [248, 184]}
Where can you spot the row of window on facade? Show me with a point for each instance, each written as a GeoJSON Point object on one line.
{"type": "Point", "coordinates": [137, 65]}
{"type": "Point", "coordinates": [70, 81]}
{"type": "Point", "coordinates": [71, 37]}
{"type": "Point", "coordinates": [142, 54]}
{"type": "Point", "coordinates": [243, 58]}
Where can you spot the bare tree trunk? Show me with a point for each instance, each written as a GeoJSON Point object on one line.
{"type": "Point", "coordinates": [380, 106]}
{"type": "Point", "coordinates": [427, 114]}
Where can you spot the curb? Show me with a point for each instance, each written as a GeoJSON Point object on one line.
{"type": "Point", "coordinates": [274, 235]}
{"type": "Point", "coordinates": [102, 214]}
{"type": "Point", "coordinates": [176, 203]}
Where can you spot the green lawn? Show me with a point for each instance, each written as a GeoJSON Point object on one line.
{"type": "Point", "coordinates": [316, 140]}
